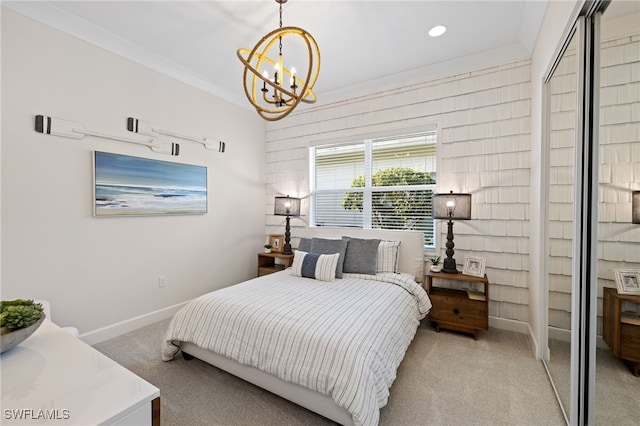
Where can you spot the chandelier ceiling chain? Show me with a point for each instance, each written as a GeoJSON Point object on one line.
{"type": "Point", "coordinates": [283, 99]}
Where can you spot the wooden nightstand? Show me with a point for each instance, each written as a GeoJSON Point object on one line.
{"type": "Point", "coordinates": [267, 262]}
{"type": "Point", "coordinates": [457, 309]}
{"type": "Point", "coordinates": [621, 330]}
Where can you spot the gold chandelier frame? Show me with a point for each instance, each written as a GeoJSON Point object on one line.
{"type": "Point", "coordinates": [285, 98]}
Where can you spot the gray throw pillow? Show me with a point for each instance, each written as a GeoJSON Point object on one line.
{"type": "Point", "coordinates": [361, 256]}
{"type": "Point", "coordinates": [329, 246]}
{"type": "Point", "coordinates": [305, 244]}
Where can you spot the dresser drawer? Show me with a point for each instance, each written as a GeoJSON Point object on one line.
{"type": "Point", "coordinates": [459, 309]}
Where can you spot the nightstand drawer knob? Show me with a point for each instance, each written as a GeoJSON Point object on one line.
{"type": "Point", "coordinates": [456, 311]}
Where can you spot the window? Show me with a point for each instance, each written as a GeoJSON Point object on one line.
{"type": "Point", "coordinates": [375, 184]}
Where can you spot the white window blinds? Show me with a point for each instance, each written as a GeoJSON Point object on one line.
{"type": "Point", "coordinates": [375, 184]}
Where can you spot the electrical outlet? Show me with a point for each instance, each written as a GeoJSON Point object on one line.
{"type": "Point", "coordinates": [161, 281]}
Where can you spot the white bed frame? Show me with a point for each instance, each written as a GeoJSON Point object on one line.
{"type": "Point", "coordinates": [411, 260]}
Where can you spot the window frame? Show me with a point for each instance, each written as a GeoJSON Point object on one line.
{"type": "Point", "coordinates": [368, 190]}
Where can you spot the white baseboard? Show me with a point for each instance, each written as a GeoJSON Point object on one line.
{"type": "Point", "coordinates": [515, 326]}
{"type": "Point", "coordinates": [560, 334]}
{"type": "Point", "coordinates": [565, 336]}
{"type": "Point", "coordinates": [114, 330]}
{"type": "Point", "coordinates": [509, 325]}
{"type": "Point", "coordinates": [534, 343]}
{"type": "Point", "coordinates": [554, 333]}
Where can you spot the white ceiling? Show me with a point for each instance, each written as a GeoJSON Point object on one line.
{"type": "Point", "coordinates": [365, 46]}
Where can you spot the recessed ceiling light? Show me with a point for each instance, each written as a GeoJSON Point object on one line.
{"type": "Point", "coordinates": [437, 31]}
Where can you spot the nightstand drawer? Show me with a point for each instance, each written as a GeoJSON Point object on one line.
{"type": "Point", "coordinates": [630, 342]}
{"type": "Point", "coordinates": [459, 310]}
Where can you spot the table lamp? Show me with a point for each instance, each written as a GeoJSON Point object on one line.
{"type": "Point", "coordinates": [287, 206]}
{"type": "Point", "coordinates": [453, 207]}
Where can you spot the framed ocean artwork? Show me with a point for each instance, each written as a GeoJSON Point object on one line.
{"type": "Point", "coordinates": [134, 186]}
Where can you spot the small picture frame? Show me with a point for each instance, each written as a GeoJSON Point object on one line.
{"type": "Point", "coordinates": [276, 241]}
{"type": "Point", "coordinates": [474, 266]}
{"type": "Point", "coordinates": [628, 281]}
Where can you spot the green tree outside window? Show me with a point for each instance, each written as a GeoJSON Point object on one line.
{"type": "Point", "coordinates": [401, 209]}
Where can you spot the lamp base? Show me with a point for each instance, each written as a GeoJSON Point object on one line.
{"type": "Point", "coordinates": [286, 249]}
{"type": "Point", "coordinates": [449, 266]}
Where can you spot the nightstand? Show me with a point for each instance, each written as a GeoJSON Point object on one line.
{"type": "Point", "coordinates": [621, 330]}
{"type": "Point", "coordinates": [267, 262]}
{"type": "Point", "coordinates": [458, 309]}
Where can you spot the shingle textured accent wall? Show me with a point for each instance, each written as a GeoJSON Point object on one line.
{"type": "Point", "coordinates": [483, 121]}
{"type": "Point", "coordinates": [619, 172]}
{"type": "Point", "coordinates": [561, 178]}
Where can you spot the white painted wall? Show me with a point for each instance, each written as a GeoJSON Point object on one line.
{"type": "Point", "coordinates": [97, 272]}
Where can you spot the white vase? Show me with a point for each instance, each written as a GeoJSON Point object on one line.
{"type": "Point", "coordinates": [267, 250]}
{"type": "Point", "coordinates": [436, 268]}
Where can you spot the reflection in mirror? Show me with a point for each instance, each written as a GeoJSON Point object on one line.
{"type": "Point", "coordinates": [561, 182]}
{"type": "Point", "coordinates": [617, 390]}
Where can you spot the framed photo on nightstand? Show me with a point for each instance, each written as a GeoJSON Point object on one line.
{"type": "Point", "coordinates": [628, 281]}
{"type": "Point", "coordinates": [474, 266]}
{"type": "Point", "coordinates": [276, 241]}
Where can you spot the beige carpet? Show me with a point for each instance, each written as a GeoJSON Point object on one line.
{"type": "Point", "coordinates": [446, 378]}
{"type": "Point", "coordinates": [617, 390]}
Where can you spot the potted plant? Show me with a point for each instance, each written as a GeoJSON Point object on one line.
{"type": "Point", "coordinates": [267, 248]}
{"type": "Point", "coordinates": [435, 264]}
{"type": "Point", "coordinates": [18, 320]}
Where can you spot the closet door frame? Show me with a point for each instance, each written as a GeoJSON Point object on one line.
{"type": "Point", "coordinates": [586, 30]}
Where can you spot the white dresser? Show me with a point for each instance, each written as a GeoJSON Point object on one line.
{"type": "Point", "coordinates": [54, 378]}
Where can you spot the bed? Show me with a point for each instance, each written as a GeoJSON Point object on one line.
{"type": "Point", "coordinates": [331, 345]}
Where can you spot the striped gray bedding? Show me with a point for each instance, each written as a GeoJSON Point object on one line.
{"type": "Point", "coordinates": [344, 338]}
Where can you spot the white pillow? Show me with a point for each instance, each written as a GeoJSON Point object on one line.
{"type": "Point", "coordinates": [388, 256]}
{"type": "Point", "coordinates": [313, 265]}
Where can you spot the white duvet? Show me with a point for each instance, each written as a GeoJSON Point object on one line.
{"type": "Point", "coordinates": [344, 338]}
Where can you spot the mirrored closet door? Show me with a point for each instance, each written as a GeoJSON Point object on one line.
{"type": "Point", "coordinates": [592, 168]}
{"type": "Point", "coordinates": [562, 119]}
{"type": "Point", "coordinates": [617, 391]}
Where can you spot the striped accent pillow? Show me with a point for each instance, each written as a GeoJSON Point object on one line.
{"type": "Point", "coordinates": [313, 265]}
{"type": "Point", "coordinates": [388, 256]}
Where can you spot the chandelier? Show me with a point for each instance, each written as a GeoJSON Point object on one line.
{"type": "Point", "coordinates": [275, 98]}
